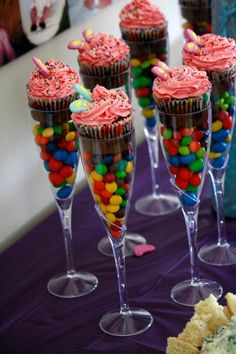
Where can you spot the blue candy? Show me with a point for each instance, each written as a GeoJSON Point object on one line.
{"type": "Point", "coordinates": [60, 155]}
{"type": "Point", "coordinates": [218, 163]}
{"type": "Point", "coordinates": [174, 161]}
{"type": "Point", "coordinates": [128, 156]}
{"type": "Point", "coordinates": [107, 159]}
{"type": "Point", "coordinates": [45, 163]}
{"type": "Point", "coordinates": [151, 122]}
{"type": "Point", "coordinates": [219, 147]}
{"type": "Point", "coordinates": [188, 199]}
{"type": "Point", "coordinates": [231, 110]}
{"type": "Point", "coordinates": [221, 135]}
{"type": "Point", "coordinates": [64, 192]}
{"type": "Point", "coordinates": [51, 147]}
{"type": "Point", "coordinates": [72, 159]}
{"type": "Point", "coordinates": [187, 159]}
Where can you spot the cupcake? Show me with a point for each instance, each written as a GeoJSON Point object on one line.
{"type": "Point", "coordinates": [197, 14]}
{"type": "Point", "coordinates": [103, 59]}
{"type": "Point", "coordinates": [106, 137]}
{"type": "Point", "coordinates": [50, 91]}
{"type": "Point", "coordinates": [144, 28]}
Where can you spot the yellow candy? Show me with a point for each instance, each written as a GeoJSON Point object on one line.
{"type": "Point", "coordinates": [148, 112]}
{"type": "Point", "coordinates": [110, 217]}
{"type": "Point", "coordinates": [72, 178]}
{"type": "Point", "coordinates": [115, 200]}
{"type": "Point", "coordinates": [129, 167]}
{"type": "Point", "coordinates": [35, 129]}
{"type": "Point", "coordinates": [65, 126]}
{"type": "Point", "coordinates": [111, 187]}
{"type": "Point", "coordinates": [96, 176]}
{"type": "Point", "coordinates": [228, 139]}
{"type": "Point", "coordinates": [135, 62]}
{"type": "Point", "coordinates": [216, 126]}
{"type": "Point", "coordinates": [113, 208]}
{"type": "Point", "coordinates": [48, 132]}
{"type": "Point", "coordinates": [154, 61]}
{"type": "Point", "coordinates": [97, 198]}
{"type": "Point", "coordinates": [214, 155]}
{"type": "Point", "coordinates": [103, 208]}
{"type": "Point", "coordinates": [70, 136]}
{"type": "Point", "coordinates": [91, 180]}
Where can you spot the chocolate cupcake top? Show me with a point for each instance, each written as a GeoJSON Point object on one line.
{"type": "Point", "coordinates": [105, 107]}
{"type": "Point", "coordinates": [210, 52]}
{"type": "Point", "coordinates": [52, 80]}
{"type": "Point", "coordinates": [100, 49]}
{"type": "Point", "coordinates": [141, 14]}
{"type": "Point", "coordinates": [180, 83]}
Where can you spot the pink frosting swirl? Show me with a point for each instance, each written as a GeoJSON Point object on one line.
{"type": "Point", "coordinates": [183, 82]}
{"type": "Point", "coordinates": [59, 84]}
{"type": "Point", "coordinates": [104, 50]}
{"type": "Point", "coordinates": [141, 14]}
{"type": "Point", "coordinates": [216, 53]}
{"type": "Point", "coordinates": [107, 107]}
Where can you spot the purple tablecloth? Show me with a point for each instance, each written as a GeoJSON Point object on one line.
{"type": "Point", "coordinates": [35, 322]}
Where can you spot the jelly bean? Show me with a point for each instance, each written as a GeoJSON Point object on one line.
{"type": "Point", "coordinates": [172, 150]}
{"type": "Point", "coordinates": [144, 101]}
{"type": "Point", "coordinates": [194, 146]}
{"type": "Point", "coordinates": [228, 139]}
{"type": "Point", "coordinates": [101, 169]}
{"type": "Point", "coordinates": [111, 187]}
{"type": "Point", "coordinates": [121, 174]}
{"type": "Point", "coordinates": [113, 208]}
{"type": "Point", "coordinates": [151, 122]}
{"type": "Point", "coordinates": [64, 192]}
{"type": "Point", "coordinates": [186, 131]}
{"type": "Point", "coordinates": [143, 92]}
{"type": "Point", "coordinates": [147, 112]}
{"type": "Point", "coordinates": [35, 129]}
{"type": "Point", "coordinates": [55, 178]}
{"type": "Point", "coordinates": [218, 163]}
{"type": "Point", "coordinates": [70, 146]}
{"type": "Point", "coordinates": [223, 115]}
{"type": "Point", "coordinates": [129, 167]}
{"type": "Point", "coordinates": [71, 159]}
{"type": "Point", "coordinates": [71, 179]}
{"type": "Point", "coordinates": [54, 164]}
{"type": "Point", "coordinates": [174, 142]}
{"type": "Point", "coordinates": [187, 159]}
{"type": "Point", "coordinates": [97, 198]}
{"type": "Point", "coordinates": [184, 173]}
{"type": "Point", "coordinates": [135, 62]}
{"type": "Point", "coordinates": [232, 110]}
{"type": "Point", "coordinates": [225, 95]}
{"type": "Point", "coordinates": [174, 161]}
{"type": "Point", "coordinates": [219, 147]}
{"type": "Point", "coordinates": [197, 165]}
{"type": "Point", "coordinates": [201, 153]}
{"type": "Point", "coordinates": [70, 136]}
{"type": "Point", "coordinates": [186, 141]}
{"type": "Point", "coordinates": [195, 179]}
{"type": "Point", "coordinates": [66, 171]}
{"type": "Point", "coordinates": [177, 135]}
{"type": "Point", "coordinates": [231, 100]}
{"type": "Point", "coordinates": [197, 135]}
{"type": "Point", "coordinates": [181, 183]}
{"type": "Point", "coordinates": [184, 150]}
{"type": "Point", "coordinates": [60, 155]}
{"type": "Point", "coordinates": [41, 140]}
{"type": "Point", "coordinates": [103, 208]}
{"type": "Point", "coordinates": [105, 201]}
{"type": "Point", "coordinates": [220, 135]}
{"type": "Point", "coordinates": [154, 61]}
{"type": "Point", "coordinates": [48, 132]}
{"type": "Point", "coordinates": [45, 155]}
{"type": "Point", "coordinates": [216, 126]}
{"type": "Point", "coordinates": [189, 199]}
{"type": "Point", "coordinates": [214, 155]}
{"type": "Point", "coordinates": [225, 106]}
{"type": "Point", "coordinates": [167, 133]}
{"type": "Point", "coordinates": [228, 123]}
{"type": "Point", "coordinates": [137, 71]}
{"type": "Point", "coordinates": [117, 157]}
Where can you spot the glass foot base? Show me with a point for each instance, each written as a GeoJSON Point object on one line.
{"type": "Point", "coordinates": [131, 240]}
{"type": "Point", "coordinates": [213, 253]}
{"type": "Point", "coordinates": [133, 322]}
{"type": "Point", "coordinates": [157, 205]}
{"type": "Point", "coordinates": [70, 286]}
{"type": "Point", "coordinates": [187, 294]}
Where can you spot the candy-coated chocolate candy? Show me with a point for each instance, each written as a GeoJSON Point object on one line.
{"type": "Point", "coordinates": [143, 92]}
{"type": "Point", "coordinates": [174, 142]}
{"type": "Point", "coordinates": [45, 164]}
{"type": "Point", "coordinates": [128, 156]}
{"type": "Point", "coordinates": [193, 189]}
{"type": "Point", "coordinates": [110, 217]}
{"type": "Point", "coordinates": [96, 176]}
{"type": "Point", "coordinates": [124, 203]}
{"type": "Point", "coordinates": [83, 92]}
{"type": "Point", "coordinates": [70, 136]}
{"type": "Point", "coordinates": [186, 141]}
{"type": "Point", "coordinates": [228, 123]}
{"type": "Point", "coordinates": [41, 67]}
{"type": "Point", "coordinates": [214, 155]}
{"type": "Point", "coordinates": [135, 62]}
{"type": "Point", "coordinates": [55, 178]}
{"type": "Point", "coordinates": [231, 100]}
{"type": "Point", "coordinates": [187, 159]}
{"type": "Point", "coordinates": [232, 110]}
{"type": "Point", "coordinates": [120, 213]}
{"type": "Point", "coordinates": [71, 159]}
{"type": "Point", "coordinates": [144, 101]}
{"type": "Point", "coordinates": [70, 146]}
{"type": "Point", "coordinates": [129, 167]}
{"type": "Point", "coordinates": [99, 185]}
{"type": "Point", "coordinates": [103, 207]}
{"type": "Point", "coordinates": [186, 131]}
{"type": "Point", "coordinates": [216, 126]}
{"type": "Point", "coordinates": [48, 132]}
{"type": "Point", "coordinates": [148, 112]}
{"type": "Point", "coordinates": [194, 146]}
{"type": "Point", "coordinates": [197, 135]}
{"type": "Point", "coordinates": [88, 35]}
{"type": "Point", "coordinates": [197, 165]}
{"type": "Point", "coordinates": [177, 135]}
{"type": "Point", "coordinates": [189, 199]}
{"type": "Point", "coordinates": [51, 147]}
{"type": "Point", "coordinates": [101, 169]}
{"type": "Point", "coordinates": [121, 174]}
{"type": "Point", "coordinates": [66, 171]}
{"type": "Point", "coordinates": [115, 200]}
{"type": "Point", "coordinates": [54, 164]}
{"type": "Point", "coordinates": [167, 133]}
{"type": "Point", "coordinates": [60, 155]}
{"type": "Point", "coordinates": [184, 150]}
{"type": "Point", "coordinates": [64, 192]}
{"type": "Point", "coordinates": [105, 201]}
{"type": "Point", "coordinates": [111, 187]}
{"type": "Point", "coordinates": [201, 153]}
{"type": "Point", "coordinates": [219, 147]}
{"type": "Point", "coordinates": [181, 183]}
{"type": "Point", "coordinates": [184, 173]}
{"type": "Point", "coordinates": [223, 115]}
{"type": "Point", "coordinates": [35, 129]}
{"type": "Point", "coordinates": [146, 64]}
{"type": "Point", "coordinates": [154, 61]}
{"type": "Point", "coordinates": [112, 208]}
{"type": "Point", "coordinates": [41, 140]}
{"type": "Point", "coordinates": [174, 161]}
{"type": "Point", "coordinates": [228, 139]}
{"type": "Point", "coordinates": [71, 179]}
{"type": "Point", "coordinates": [220, 135]}
{"type": "Point", "coordinates": [225, 106]}
{"type": "Point", "coordinates": [191, 47]}
{"type": "Point", "coordinates": [76, 45]}
{"type": "Point", "coordinates": [137, 71]}
{"type": "Point", "coordinates": [219, 162]}
{"type": "Point", "coordinates": [109, 178]}
{"type": "Point", "coordinates": [98, 199]}
{"type": "Point", "coordinates": [117, 157]}
{"type": "Point", "coordinates": [172, 150]}
{"type": "Point", "coordinates": [174, 170]}
{"type": "Point", "coordinates": [57, 129]}
{"type": "Point", "coordinates": [195, 179]}
{"type": "Point", "coordinates": [151, 122]}
{"type": "Point", "coordinates": [122, 165]}
{"type": "Point", "coordinates": [120, 191]}
{"type": "Point", "coordinates": [45, 155]}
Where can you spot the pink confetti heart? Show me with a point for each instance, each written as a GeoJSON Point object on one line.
{"type": "Point", "coordinates": [140, 250]}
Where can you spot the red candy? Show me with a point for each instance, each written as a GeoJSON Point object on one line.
{"type": "Point", "coordinates": [54, 164]}
{"type": "Point", "coordinates": [66, 171]}
{"type": "Point", "coordinates": [181, 183]}
{"type": "Point", "coordinates": [100, 185]}
{"type": "Point", "coordinates": [176, 135]}
{"type": "Point", "coordinates": [223, 115]}
{"type": "Point", "coordinates": [197, 135]}
{"type": "Point", "coordinates": [55, 178]}
{"type": "Point", "coordinates": [186, 131]}
{"type": "Point", "coordinates": [184, 173]}
{"type": "Point", "coordinates": [172, 150]}
{"type": "Point", "coordinates": [195, 180]}
{"type": "Point", "coordinates": [143, 92]}
{"type": "Point", "coordinates": [70, 146]}
{"type": "Point", "coordinates": [109, 178]}
{"type": "Point", "coordinates": [194, 146]}
{"type": "Point", "coordinates": [45, 155]}
{"type": "Point", "coordinates": [173, 169]}
{"type": "Point", "coordinates": [228, 123]}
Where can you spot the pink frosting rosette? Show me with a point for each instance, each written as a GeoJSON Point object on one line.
{"type": "Point", "coordinates": [216, 53]}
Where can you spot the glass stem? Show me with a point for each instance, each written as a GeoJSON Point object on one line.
{"type": "Point", "coordinates": [153, 149]}
{"type": "Point", "coordinates": [217, 179]}
{"type": "Point", "coordinates": [65, 216]}
{"type": "Point", "coordinates": [119, 256]}
{"type": "Point", "coordinates": [191, 221]}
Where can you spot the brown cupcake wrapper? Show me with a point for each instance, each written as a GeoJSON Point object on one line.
{"type": "Point", "coordinates": [188, 105]}
{"type": "Point", "coordinates": [144, 34]}
{"type": "Point", "coordinates": [101, 71]}
{"type": "Point", "coordinates": [223, 74]}
{"type": "Point", "coordinates": [51, 105]}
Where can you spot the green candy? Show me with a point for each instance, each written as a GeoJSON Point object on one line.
{"type": "Point", "coordinates": [224, 106]}
{"type": "Point", "coordinates": [101, 169]}
{"type": "Point", "coordinates": [137, 71]}
{"type": "Point", "coordinates": [146, 64]}
{"type": "Point", "coordinates": [57, 129]}
{"type": "Point", "coordinates": [205, 98]}
{"type": "Point", "coordinates": [186, 141]}
{"type": "Point", "coordinates": [142, 81]}
{"type": "Point", "coordinates": [197, 165]}
{"type": "Point", "coordinates": [183, 150]}
{"type": "Point", "coordinates": [230, 100]}
{"type": "Point", "coordinates": [220, 101]}
{"type": "Point", "coordinates": [120, 191]}
{"type": "Point", "coordinates": [201, 153]}
{"type": "Point", "coordinates": [123, 203]}
{"type": "Point", "coordinates": [144, 101]}
{"type": "Point", "coordinates": [40, 130]}
{"type": "Point", "coordinates": [192, 188]}
{"type": "Point", "coordinates": [167, 133]}
{"type": "Point", "coordinates": [225, 95]}
{"type": "Point", "coordinates": [121, 174]}
{"type": "Point", "coordinates": [72, 127]}
{"type": "Point", "coordinates": [76, 145]}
